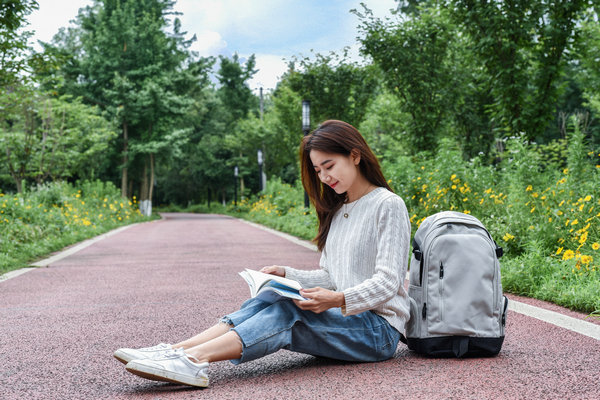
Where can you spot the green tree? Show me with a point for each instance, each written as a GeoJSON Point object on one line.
{"type": "Point", "coordinates": [523, 46]}
{"type": "Point", "coordinates": [414, 54]}
{"type": "Point", "coordinates": [125, 60]}
{"type": "Point", "coordinates": [50, 137]}
{"type": "Point", "coordinates": [235, 95]}
{"type": "Point", "coordinates": [386, 127]}
{"type": "Point", "coordinates": [335, 87]}
{"type": "Point", "coordinates": [278, 135]}
{"type": "Point", "coordinates": [14, 41]}
{"type": "Point", "coordinates": [218, 138]}
{"type": "Point", "coordinates": [588, 73]}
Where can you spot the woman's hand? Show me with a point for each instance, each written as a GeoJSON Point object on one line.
{"type": "Point", "coordinates": [274, 270]}
{"type": "Point", "coordinates": [320, 299]}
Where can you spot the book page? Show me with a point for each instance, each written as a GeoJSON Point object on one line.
{"type": "Point", "coordinates": [248, 278]}
{"type": "Point", "coordinates": [260, 278]}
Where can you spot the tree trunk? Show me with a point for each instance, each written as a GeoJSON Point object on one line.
{"type": "Point", "coordinates": [19, 184]}
{"type": "Point", "coordinates": [144, 183]}
{"type": "Point", "coordinates": [145, 204]}
{"type": "Point", "coordinates": [151, 188]}
{"type": "Point", "coordinates": [125, 161]}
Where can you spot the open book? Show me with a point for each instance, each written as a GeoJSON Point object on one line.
{"type": "Point", "coordinates": [271, 288]}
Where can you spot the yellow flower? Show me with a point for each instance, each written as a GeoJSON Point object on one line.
{"type": "Point", "coordinates": [575, 222]}
{"type": "Point", "coordinates": [587, 198]}
{"type": "Point", "coordinates": [529, 188]}
{"type": "Point", "coordinates": [453, 187]}
{"type": "Point", "coordinates": [587, 259]}
{"type": "Point", "coordinates": [566, 171]}
{"type": "Point", "coordinates": [507, 237]}
{"type": "Point", "coordinates": [568, 255]}
{"type": "Point", "coordinates": [560, 249]}
{"type": "Point", "coordinates": [452, 177]}
{"type": "Point", "coordinates": [583, 238]}
{"type": "Point", "coordinates": [596, 246]}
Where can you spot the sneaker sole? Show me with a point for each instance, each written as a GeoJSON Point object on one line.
{"type": "Point", "coordinates": [122, 357]}
{"type": "Point", "coordinates": [154, 374]}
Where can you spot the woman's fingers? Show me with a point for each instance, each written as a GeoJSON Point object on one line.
{"type": "Point", "coordinates": [273, 270]}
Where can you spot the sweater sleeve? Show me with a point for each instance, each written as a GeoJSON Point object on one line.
{"type": "Point", "coordinates": [309, 279]}
{"type": "Point", "coordinates": [393, 239]}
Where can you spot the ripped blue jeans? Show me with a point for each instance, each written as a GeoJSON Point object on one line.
{"type": "Point", "coordinates": [265, 328]}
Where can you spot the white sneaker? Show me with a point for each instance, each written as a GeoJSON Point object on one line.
{"type": "Point", "coordinates": [125, 355]}
{"type": "Point", "coordinates": [173, 366]}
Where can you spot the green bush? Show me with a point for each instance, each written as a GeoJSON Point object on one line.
{"type": "Point", "coordinates": [54, 215]}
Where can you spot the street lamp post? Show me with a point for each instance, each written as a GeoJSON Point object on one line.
{"type": "Point", "coordinates": [260, 168]}
{"type": "Point", "coordinates": [235, 178]}
{"type": "Point", "coordinates": [306, 130]}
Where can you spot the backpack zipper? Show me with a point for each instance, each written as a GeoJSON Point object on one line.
{"type": "Point", "coordinates": [441, 291]}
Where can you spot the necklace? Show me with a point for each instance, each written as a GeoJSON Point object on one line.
{"type": "Point", "coordinates": [347, 213]}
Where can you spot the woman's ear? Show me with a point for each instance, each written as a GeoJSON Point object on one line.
{"type": "Point", "coordinates": [355, 156]}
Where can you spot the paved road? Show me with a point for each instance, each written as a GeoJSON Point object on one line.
{"type": "Point", "coordinates": [168, 279]}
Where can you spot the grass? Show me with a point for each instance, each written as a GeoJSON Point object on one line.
{"type": "Point", "coordinates": [55, 215]}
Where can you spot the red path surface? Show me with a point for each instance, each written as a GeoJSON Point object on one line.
{"type": "Point", "coordinates": [167, 280]}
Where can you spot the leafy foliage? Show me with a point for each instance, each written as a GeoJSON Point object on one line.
{"type": "Point", "coordinates": [523, 45]}
{"type": "Point", "coordinates": [50, 137]}
{"type": "Point", "coordinates": [336, 88]}
{"type": "Point", "coordinates": [54, 215]}
{"type": "Point", "coordinates": [414, 56]}
{"type": "Point", "coordinates": [14, 41]}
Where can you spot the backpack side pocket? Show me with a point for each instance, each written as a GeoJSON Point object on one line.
{"type": "Point", "coordinates": [413, 326]}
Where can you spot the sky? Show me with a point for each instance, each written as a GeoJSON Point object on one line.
{"type": "Point", "coordinates": [273, 30]}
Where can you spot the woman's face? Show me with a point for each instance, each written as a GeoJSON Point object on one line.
{"type": "Point", "coordinates": [337, 171]}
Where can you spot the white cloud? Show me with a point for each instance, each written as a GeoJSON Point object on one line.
{"type": "Point", "coordinates": [209, 43]}
{"type": "Point", "coordinates": [270, 69]}
{"type": "Point", "coordinates": [53, 15]}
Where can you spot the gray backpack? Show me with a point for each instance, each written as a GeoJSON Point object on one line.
{"type": "Point", "coordinates": [456, 303]}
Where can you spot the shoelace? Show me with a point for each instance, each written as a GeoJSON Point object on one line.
{"type": "Point", "coordinates": [167, 353]}
{"type": "Point", "coordinates": [175, 353]}
{"type": "Point", "coordinates": [161, 346]}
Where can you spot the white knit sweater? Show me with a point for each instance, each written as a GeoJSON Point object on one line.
{"type": "Point", "coordinates": [366, 257]}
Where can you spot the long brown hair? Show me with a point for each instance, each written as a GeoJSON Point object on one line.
{"type": "Point", "coordinates": [336, 137]}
